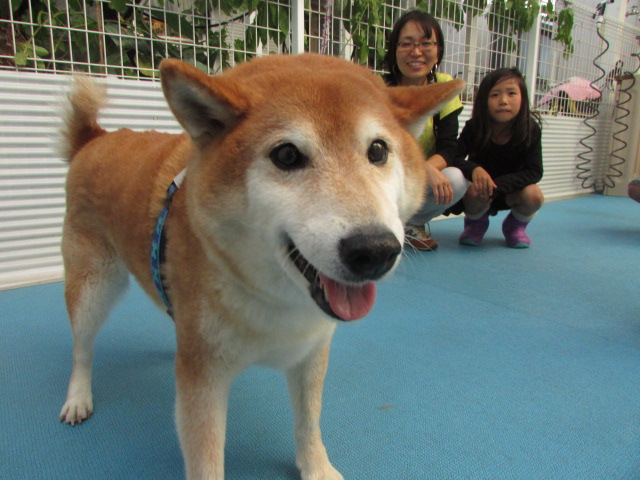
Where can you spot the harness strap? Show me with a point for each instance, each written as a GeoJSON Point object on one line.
{"type": "Point", "coordinates": [158, 242]}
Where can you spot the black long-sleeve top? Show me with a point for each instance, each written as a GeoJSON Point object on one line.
{"type": "Point", "coordinates": [512, 166]}
{"type": "Point", "coordinates": [446, 137]}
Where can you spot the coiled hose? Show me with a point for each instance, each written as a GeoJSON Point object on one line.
{"type": "Point", "coordinates": [622, 113]}
{"type": "Point", "coordinates": [589, 180]}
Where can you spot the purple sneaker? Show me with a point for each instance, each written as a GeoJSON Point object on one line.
{"type": "Point", "coordinates": [514, 234]}
{"type": "Point", "coordinates": [474, 230]}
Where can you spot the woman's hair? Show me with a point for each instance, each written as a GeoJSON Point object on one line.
{"type": "Point", "coordinates": [429, 24]}
{"type": "Point", "coordinates": [523, 128]}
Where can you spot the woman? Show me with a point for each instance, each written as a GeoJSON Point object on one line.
{"type": "Point", "coordinates": [416, 48]}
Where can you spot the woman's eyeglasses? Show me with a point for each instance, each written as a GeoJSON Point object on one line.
{"type": "Point", "coordinates": [424, 46]}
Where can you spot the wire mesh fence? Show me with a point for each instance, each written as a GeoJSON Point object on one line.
{"type": "Point", "coordinates": [581, 82]}
{"type": "Point", "coordinates": [129, 38]}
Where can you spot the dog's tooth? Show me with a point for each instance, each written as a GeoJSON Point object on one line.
{"type": "Point", "coordinates": [324, 290]}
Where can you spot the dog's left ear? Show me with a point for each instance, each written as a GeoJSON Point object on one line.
{"type": "Point", "coordinates": [412, 105]}
{"type": "Point", "coordinates": [205, 106]}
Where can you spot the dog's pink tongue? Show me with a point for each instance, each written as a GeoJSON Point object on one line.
{"type": "Point", "coordinates": [349, 302]}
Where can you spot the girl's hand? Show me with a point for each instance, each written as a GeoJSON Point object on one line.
{"type": "Point", "coordinates": [483, 182]}
{"type": "Point", "coordinates": [440, 185]}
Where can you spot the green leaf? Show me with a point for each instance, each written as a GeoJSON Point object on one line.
{"type": "Point", "coordinates": [283, 23]}
{"type": "Point", "coordinates": [146, 69]}
{"type": "Point", "coordinates": [7, 5]}
{"type": "Point", "coordinates": [41, 51]}
{"type": "Point", "coordinates": [75, 5]}
{"type": "Point", "coordinates": [549, 8]}
{"type": "Point", "coordinates": [119, 36]}
{"type": "Point", "coordinates": [363, 54]}
{"type": "Point", "coordinates": [565, 19]}
{"type": "Point", "coordinates": [179, 24]}
{"type": "Point", "coordinates": [239, 50]}
{"type": "Point", "coordinates": [252, 39]}
{"type": "Point", "coordinates": [565, 28]}
{"type": "Point", "coordinates": [21, 59]}
{"type": "Point", "coordinates": [119, 6]}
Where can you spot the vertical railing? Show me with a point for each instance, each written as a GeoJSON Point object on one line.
{"type": "Point", "coordinates": [531, 60]}
{"type": "Point", "coordinates": [297, 26]}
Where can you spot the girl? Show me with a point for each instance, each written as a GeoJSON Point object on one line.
{"type": "Point", "coordinates": [416, 48]}
{"type": "Point", "coordinates": [503, 142]}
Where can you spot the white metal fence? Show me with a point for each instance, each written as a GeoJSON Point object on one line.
{"type": "Point", "coordinates": [128, 38]}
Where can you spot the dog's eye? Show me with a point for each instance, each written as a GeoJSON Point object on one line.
{"type": "Point", "coordinates": [378, 152]}
{"type": "Point", "coordinates": [288, 157]}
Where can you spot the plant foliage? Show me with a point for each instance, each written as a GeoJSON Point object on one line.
{"type": "Point", "coordinates": [96, 36]}
{"type": "Point", "coordinates": [121, 37]}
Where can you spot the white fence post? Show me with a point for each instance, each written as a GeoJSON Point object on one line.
{"type": "Point", "coordinates": [531, 64]}
{"type": "Point", "coordinates": [297, 26]}
{"type": "Point", "coordinates": [471, 52]}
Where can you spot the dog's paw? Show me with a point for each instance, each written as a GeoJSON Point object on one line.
{"type": "Point", "coordinates": [76, 411]}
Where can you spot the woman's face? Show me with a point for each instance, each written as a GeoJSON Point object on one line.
{"type": "Point", "coordinates": [416, 54]}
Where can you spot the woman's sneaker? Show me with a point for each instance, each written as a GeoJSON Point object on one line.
{"type": "Point", "coordinates": [418, 238]}
{"type": "Point", "coordinates": [514, 234]}
{"type": "Point", "coordinates": [474, 230]}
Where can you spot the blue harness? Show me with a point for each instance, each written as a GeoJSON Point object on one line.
{"type": "Point", "coordinates": [158, 241]}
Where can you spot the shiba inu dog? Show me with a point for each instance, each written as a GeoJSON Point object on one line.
{"type": "Point", "coordinates": [259, 229]}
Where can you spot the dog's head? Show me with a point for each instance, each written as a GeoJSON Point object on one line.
{"type": "Point", "coordinates": [305, 170]}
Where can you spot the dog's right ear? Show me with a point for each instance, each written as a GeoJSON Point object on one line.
{"type": "Point", "coordinates": [205, 106]}
{"type": "Point", "coordinates": [413, 105]}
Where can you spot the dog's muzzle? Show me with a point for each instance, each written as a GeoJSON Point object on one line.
{"type": "Point", "coordinates": [366, 256]}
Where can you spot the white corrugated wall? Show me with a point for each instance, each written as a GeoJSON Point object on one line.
{"type": "Point", "coordinates": [32, 174]}
{"type": "Point", "coordinates": [560, 148]}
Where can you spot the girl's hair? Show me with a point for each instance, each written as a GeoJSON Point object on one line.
{"type": "Point", "coordinates": [524, 124]}
{"type": "Point", "coordinates": [429, 24]}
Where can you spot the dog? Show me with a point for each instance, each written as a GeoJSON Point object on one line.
{"type": "Point", "coordinates": [259, 229]}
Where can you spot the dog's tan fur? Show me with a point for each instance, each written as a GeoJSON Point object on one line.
{"type": "Point", "coordinates": [237, 296]}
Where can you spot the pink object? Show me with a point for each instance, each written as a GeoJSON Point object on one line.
{"type": "Point", "coordinates": [576, 88]}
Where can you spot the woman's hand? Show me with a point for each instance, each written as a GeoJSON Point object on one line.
{"type": "Point", "coordinates": [440, 185]}
{"type": "Point", "coordinates": [482, 182]}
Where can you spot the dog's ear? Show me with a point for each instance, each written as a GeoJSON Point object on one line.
{"type": "Point", "coordinates": [204, 105]}
{"type": "Point", "coordinates": [412, 105]}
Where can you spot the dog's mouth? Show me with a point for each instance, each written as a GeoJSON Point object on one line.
{"type": "Point", "coordinates": [339, 300]}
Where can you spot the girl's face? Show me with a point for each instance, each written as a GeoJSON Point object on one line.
{"type": "Point", "coordinates": [416, 54]}
{"type": "Point", "coordinates": [505, 100]}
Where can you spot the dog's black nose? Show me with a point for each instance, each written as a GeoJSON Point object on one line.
{"type": "Point", "coordinates": [369, 254]}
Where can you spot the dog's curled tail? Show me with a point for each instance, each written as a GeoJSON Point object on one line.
{"type": "Point", "coordinates": [81, 117]}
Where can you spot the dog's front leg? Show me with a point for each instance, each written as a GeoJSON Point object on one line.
{"type": "Point", "coordinates": [201, 416]}
{"type": "Point", "coordinates": [305, 382]}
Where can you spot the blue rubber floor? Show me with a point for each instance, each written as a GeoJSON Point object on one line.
{"type": "Point", "coordinates": [476, 363]}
